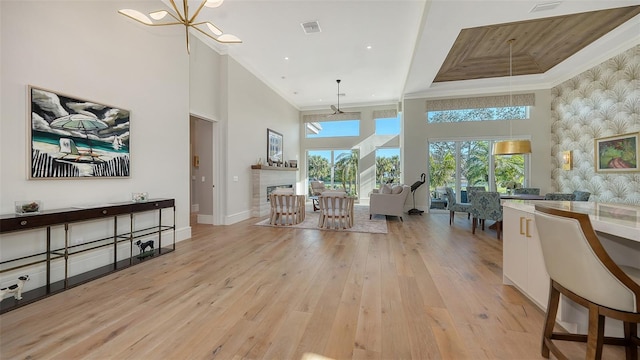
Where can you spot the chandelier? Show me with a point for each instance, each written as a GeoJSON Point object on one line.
{"type": "Point", "coordinates": [159, 18]}
{"type": "Point", "coordinates": [511, 147]}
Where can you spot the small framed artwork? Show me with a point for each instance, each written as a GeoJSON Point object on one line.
{"type": "Point", "coordinates": [274, 146]}
{"type": "Point", "coordinates": [617, 153]}
{"type": "Point", "coordinates": [76, 138]}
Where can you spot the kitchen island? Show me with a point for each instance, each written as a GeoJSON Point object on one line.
{"type": "Point", "coordinates": [617, 226]}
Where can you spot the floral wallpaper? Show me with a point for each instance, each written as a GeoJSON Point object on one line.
{"type": "Point", "coordinates": [603, 101]}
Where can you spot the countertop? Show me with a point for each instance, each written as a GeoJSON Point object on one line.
{"type": "Point", "coordinates": [621, 220]}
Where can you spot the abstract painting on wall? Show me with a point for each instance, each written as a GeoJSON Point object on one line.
{"type": "Point", "coordinates": [75, 138]}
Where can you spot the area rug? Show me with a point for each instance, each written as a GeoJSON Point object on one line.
{"type": "Point", "coordinates": [361, 222]}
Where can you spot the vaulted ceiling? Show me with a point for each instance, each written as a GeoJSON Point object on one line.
{"type": "Point", "coordinates": [386, 50]}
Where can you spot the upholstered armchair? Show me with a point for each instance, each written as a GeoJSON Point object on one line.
{"type": "Point", "coordinates": [485, 205]}
{"type": "Point", "coordinates": [527, 191]}
{"type": "Point", "coordinates": [560, 196]}
{"type": "Point", "coordinates": [454, 206]}
{"type": "Point", "coordinates": [581, 195]}
{"type": "Point", "coordinates": [388, 200]}
{"type": "Point", "coordinates": [317, 187]}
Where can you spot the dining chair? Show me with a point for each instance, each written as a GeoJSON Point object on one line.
{"type": "Point", "coordinates": [560, 196]}
{"type": "Point", "coordinates": [581, 195]}
{"type": "Point", "coordinates": [580, 268]}
{"type": "Point", "coordinates": [485, 205]}
{"type": "Point", "coordinates": [527, 191]}
{"type": "Point", "coordinates": [454, 206]}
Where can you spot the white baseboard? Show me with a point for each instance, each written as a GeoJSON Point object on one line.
{"type": "Point", "coordinates": [237, 217]}
{"type": "Point", "coordinates": [205, 219]}
{"type": "Point", "coordinates": [183, 233]}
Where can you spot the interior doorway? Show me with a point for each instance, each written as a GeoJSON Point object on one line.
{"type": "Point", "coordinates": [203, 169]}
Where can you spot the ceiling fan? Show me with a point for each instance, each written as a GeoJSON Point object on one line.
{"type": "Point", "coordinates": [336, 110]}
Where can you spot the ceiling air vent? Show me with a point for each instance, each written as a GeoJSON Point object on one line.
{"type": "Point", "coordinates": [311, 27]}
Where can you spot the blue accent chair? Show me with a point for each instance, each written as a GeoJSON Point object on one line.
{"type": "Point", "coordinates": [454, 206]}
{"type": "Point", "coordinates": [485, 205]}
{"type": "Point", "coordinates": [560, 196]}
{"type": "Point", "coordinates": [527, 191]}
{"type": "Point", "coordinates": [581, 195]}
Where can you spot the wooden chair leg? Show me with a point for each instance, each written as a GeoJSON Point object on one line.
{"type": "Point", "coordinates": [595, 336]}
{"type": "Point", "coordinates": [550, 320]}
{"type": "Point", "coordinates": [630, 333]}
{"type": "Point", "coordinates": [451, 215]}
{"type": "Point", "coordinates": [499, 228]}
{"type": "Point", "coordinates": [473, 225]}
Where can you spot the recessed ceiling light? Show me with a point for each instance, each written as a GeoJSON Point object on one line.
{"type": "Point", "coordinates": [369, 47]}
{"type": "Point", "coordinates": [286, 58]}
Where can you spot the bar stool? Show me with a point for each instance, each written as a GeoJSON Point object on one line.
{"type": "Point", "coordinates": [581, 270]}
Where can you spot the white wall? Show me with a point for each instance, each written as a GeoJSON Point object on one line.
{"type": "Point", "coordinates": [252, 107]}
{"type": "Point", "coordinates": [207, 98]}
{"type": "Point", "coordinates": [205, 88]}
{"type": "Point", "coordinates": [87, 50]}
{"type": "Point", "coordinates": [417, 132]}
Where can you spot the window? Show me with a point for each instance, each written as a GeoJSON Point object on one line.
{"type": "Point", "coordinates": [388, 126]}
{"type": "Point", "coordinates": [458, 164]}
{"type": "Point", "coordinates": [387, 166]}
{"type": "Point", "coordinates": [499, 107]}
{"type": "Point", "coordinates": [482, 114]}
{"type": "Point", "coordinates": [338, 169]}
{"type": "Point", "coordinates": [323, 129]}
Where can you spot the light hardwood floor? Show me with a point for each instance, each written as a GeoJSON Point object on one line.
{"type": "Point", "coordinates": [424, 291]}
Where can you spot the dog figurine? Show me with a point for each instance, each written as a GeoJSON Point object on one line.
{"type": "Point", "coordinates": [15, 289]}
{"type": "Point", "coordinates": [144, 245]}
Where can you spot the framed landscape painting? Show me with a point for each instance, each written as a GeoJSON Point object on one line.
{"type": "Point", "coordinates": [617, 153]}
{"type": "Point", "coordinates": [76, 138]}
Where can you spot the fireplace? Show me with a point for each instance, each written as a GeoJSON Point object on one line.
{"type": "Point", "coordinates": [265, 180]}
{"type": "Point", "coordinates": [270, 189]}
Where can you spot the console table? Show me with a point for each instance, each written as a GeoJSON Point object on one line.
{"type": "Point", "coordinates": [64, 218]}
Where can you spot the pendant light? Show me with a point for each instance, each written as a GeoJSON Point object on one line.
{"type": "Point", "coordinates": [183, 17]}
{"type": "Point", "coordinates": [511, 147]}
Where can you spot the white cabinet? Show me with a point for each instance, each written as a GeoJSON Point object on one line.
{"type": "Point", "coordinates": [514, 250]}
{"type": "Point", "coordinates": [522, 261]}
